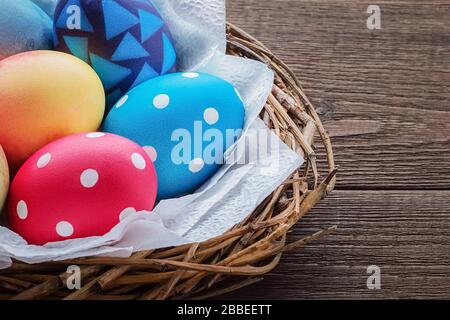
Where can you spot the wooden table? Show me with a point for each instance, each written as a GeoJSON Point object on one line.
{"type": "Point", "coordinates": [384, 96]}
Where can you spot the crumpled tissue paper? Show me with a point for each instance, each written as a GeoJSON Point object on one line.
{"type": "Point", "coordinates": [254, 168]}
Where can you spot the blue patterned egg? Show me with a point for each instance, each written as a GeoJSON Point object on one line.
{"type": "Point", "coordinates": [23, 27]}
{"type": "Point", "coordinates": [126, 41]}
{"type": "Point", "coordinates": [47, 5]}
{"type": "Point", "coordinates": [185, 122]}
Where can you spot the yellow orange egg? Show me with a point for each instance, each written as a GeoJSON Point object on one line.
{"type": "Point", "coordinates": [4, 178]}
{"type": "Point", "coordinates": [45, 95]}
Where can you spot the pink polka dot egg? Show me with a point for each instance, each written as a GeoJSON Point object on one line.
{"type": "Point", "coordinates": [80, 186]}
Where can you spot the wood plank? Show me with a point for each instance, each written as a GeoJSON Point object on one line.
{"type": "Point", "coordinates": [387, 147]}
{"type": "Point", "coordinates": [405, 233]}
{"type": "Point", "coordinates": [382, 94]}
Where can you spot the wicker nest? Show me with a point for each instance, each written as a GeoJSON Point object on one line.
{"type": "Point", "coordinates": [250, 250]}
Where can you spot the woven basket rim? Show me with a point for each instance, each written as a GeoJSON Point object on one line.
{"type": "Point", "coordinates": [251, 249]}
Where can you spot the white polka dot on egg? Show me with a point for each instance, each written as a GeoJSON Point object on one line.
{"type": "Point", "coordinates": [126, 213]}
{"type": "Point", "coordinates": [211, 116]}
{"type": "Point", "coordinates": [152, 153]}
{"type": "Point", "coordinates": [93, 135]}
{"type": "Point", "coordinates": [44, 160]}
{"type": "Point", "coordinates": [138, 161]}
{"type": "Point", "coordinates": [161, 101]}
{"type": "Point", "coordinates": [64, 229]}
{"type": "Point", "coordinates": [190, 75]}
{"type": "Point", "coordinates": [89, 178]}
{"type": "Point", "coordinates": [122, 101]}
{"type": "Point", "coordinates": [22, 210]}
{"type": "Point", "coordinates": [196, 165]}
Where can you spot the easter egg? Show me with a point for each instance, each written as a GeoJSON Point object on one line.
{"type": "Point", "coordinates": [125, 41]}
{"type": "Point", "coordinates": [4, 178]}
{"type": "Point", "coordinates": [185, 122]}
{"type": "Point", "coordinates": [45, 95]}
{"type": "Point", "coordinates": [23, 27]}
{"type": "Point", "coordinates": [80, 186]}
{"type": "Point", "coordinates": [48, 6]}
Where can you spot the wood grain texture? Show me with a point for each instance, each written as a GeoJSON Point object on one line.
{"type": "Point", "coordinates": [405, 233]}
{"type": "Point", "coordinates": [384, 96]}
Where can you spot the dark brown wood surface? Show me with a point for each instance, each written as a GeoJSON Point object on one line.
{"type": "Point", "coordinates": [384, 96]}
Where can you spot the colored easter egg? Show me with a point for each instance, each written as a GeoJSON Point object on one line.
{"type": "Point", "coordinates": [23, 27]}
{"type": "Point", "coordinates": [4, 178]}
{"type": "Point", "coordinates": [185, 122]}
{"type": "Point", "coordinates": [48, 6]}
{"type": "Point", "coordinates": [46, 95]}
{"type": "Point", "coordinates": [126, 41]}
{"type": "Point", "coordinates": [80, 186]}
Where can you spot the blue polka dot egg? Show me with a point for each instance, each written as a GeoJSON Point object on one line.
{"type": "Point", "coordinates": [126, 41]}
{"type": "Point", "coordinates": [185, 122]}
